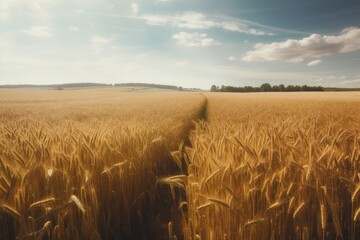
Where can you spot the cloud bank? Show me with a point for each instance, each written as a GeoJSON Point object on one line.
{"type": "Point", "coordinates": [39, 31]}
{"type": "Point", "coordinates": [313, 46]}
{"type": "Point", "coordinates": [135, 8]}
{"type": "Point", "coordinates": [314, 63]}
{"type": "Point", "coordinates": [350, 81]}
{"type": "Point", "coordinates": [99, 40]}
{"type": "Point", "coordinates": [36, 8]}
{"type": "Point", "coordinates": [194, 39]}
{"type": "Point", "coordinates": [199, 21]}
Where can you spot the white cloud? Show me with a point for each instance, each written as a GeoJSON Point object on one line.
{"type": "Point", "coordinates": [98, 40]}
{"type": "Point", "coordinates": [4, 10]}
{"type": "Point", "coordinates": [194, 39]}
{"type": "Point", "coordinates": [314, 63]}
{"type": "Point", "coordinates": [313, 46]}
{"type": "Point", "coordinates": [38, 8]}
{"type": "Point", "coordinates": [295, 60]}
{"type": "Point", "coordinates": [330, 78]}
{"type": "Point", "coordinates": [79, 11]}
{"type": "Point", "coordinates": [39, 31]}
{"type": "Point", "coordinates": [135, 8]}
{"type": "Point", "coordinates": [155, 20]}
{"type": "Point", "coordinates": [232, 58]}
{"type": "Point", "coordinates": [195, 20]}
{"type": "Point", "coordinates": [350, 81]}
{"type": "Point", "coordinates": [73, 28]}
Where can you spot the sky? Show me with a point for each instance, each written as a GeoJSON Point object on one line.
{"type": "Point", "coordinates": [189, 43]}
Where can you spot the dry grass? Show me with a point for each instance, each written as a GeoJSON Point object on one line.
{"type": "Point", "coordinates": [275, 166]}
{"type": "Point", "coordinates": [84, 164]}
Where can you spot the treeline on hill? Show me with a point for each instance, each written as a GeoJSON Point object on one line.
{"type": "Point", "coordinates": [149, 85]}
{"type": "Point", "coordinates": [266, 87]}
{"type": "Point", "coordinates": [80, 85]}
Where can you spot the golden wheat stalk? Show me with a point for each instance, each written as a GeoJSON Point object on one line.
{"type": "Point", "coordinates": [78, 203]}
{"type": "Point", "coordinates": [10, 210]}
{"type": "Point", "coordinates": [41, 202]}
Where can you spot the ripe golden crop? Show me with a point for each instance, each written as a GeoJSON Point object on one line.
{"type": "Point", "coordinates": [84, 164]}
{"type": "Point", "coordinates": [108, 164]}
{"type": "Point", "coordinates": [275, 166]}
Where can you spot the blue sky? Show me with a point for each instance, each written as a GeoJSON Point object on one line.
{"type": "Point", "coordinates": [188, 43]}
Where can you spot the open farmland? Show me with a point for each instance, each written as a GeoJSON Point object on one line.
{"type": "Point", "coordinates": [118, 164]}
{"type": "Point", "coordinates": [84, 164]}
{"type": "Point", "coordinates": [275, 166]}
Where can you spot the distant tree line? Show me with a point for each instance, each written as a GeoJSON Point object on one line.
{"type": "Point", "coordinates": [80, 85]}
{"type": "Point", "coordinates": [266, 87]}
{"type": "Point", "coordinates": [149, 85]}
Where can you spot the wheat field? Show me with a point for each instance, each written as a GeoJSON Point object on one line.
{"type": "Point", "coordinates": [108, 164]}
{"type": "Point", "coordinates": [275, 166]}
{"type": "Point", "coordinates": [84, 164]}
